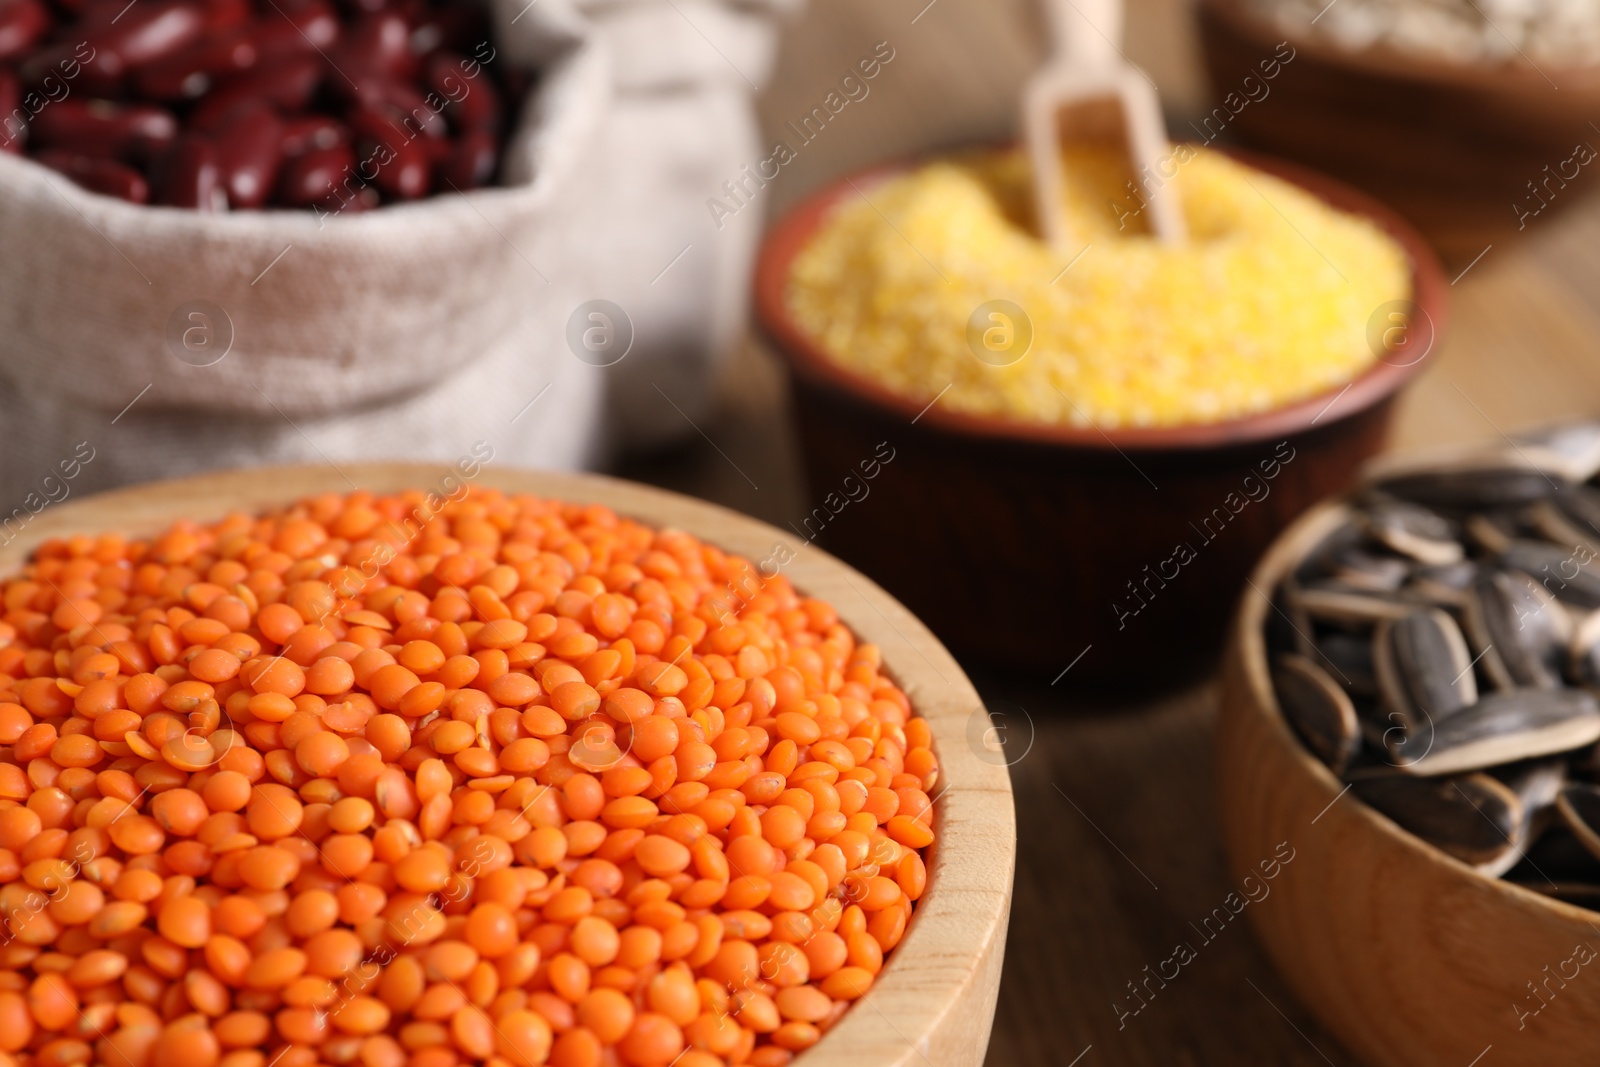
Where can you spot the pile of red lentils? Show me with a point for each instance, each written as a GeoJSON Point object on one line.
{"type": "Point", "coordinates": [399, 781]}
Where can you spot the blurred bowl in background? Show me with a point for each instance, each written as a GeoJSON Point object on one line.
{"type": "Point", "coordinates": [1029, 544]}
{"type": "Point", "coordinates": [1451, 146]}
{"type": "Point", "coordinates": [1408, 956]}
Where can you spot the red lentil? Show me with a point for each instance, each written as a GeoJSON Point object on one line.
{"type": "Point", "coordinates": [512, 782]}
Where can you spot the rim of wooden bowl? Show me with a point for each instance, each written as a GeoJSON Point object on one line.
{"type": "Point", "coordinates": [1250, 638]}
{"type": "Point", "coordinates": [932, 974]}
{"type": "Point", "coordinates": [1517, 75]}
{"type": "Point", "coordinates": [786, 239]}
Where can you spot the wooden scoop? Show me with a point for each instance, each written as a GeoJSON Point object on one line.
{"type": "Point", "coordinates": [1088, 92]}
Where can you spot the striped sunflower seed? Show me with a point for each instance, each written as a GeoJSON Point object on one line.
{"type": "Point", "coordinates": [1564, 573]}
{"type": "Point", "coordinates": [1348, 657]}
{"type": "Point", "coordinates": [1473, 489]}
{"type": "Point", "coordinates": [1444, 586]}
{"type": "Point", "coordinates": [1361, 569]}
{"type": "Point", "coordinates": [1338, 604]}
{"type": "Point", "coordinates": [1319, 710]}
{"type": "Point", "coordinates": [1417, 532]}
{"type": "Point", "coordinates": [1501, 728]}
{"type": "Point", "coordinates": [1473, 817]}
{"type": "Point", "coordinates": [1520, 632]}
{"type": "Point", "coordinates": [1424, 669]}
{"type": "Point", "coordinates": [1570, 517]}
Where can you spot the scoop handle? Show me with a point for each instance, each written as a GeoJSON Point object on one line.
{"type": "Point", "coordinates": [1086, 33]}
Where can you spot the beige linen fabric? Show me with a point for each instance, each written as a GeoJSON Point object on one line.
{"type": "Point", "coordinates": [419, 329]}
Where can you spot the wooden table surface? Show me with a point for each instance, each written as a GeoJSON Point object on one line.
{"type": "Point", "coordinates": [1119, 847]}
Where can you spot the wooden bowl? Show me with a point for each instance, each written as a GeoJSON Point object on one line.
{"type": "Point", "coordinates": [934, 1001]}
{"type": "Point", "coordinates": [1018, 541]}
{"type": "Point", "coordinates": [1411, 958]}
{"type": "Point", "coordinates": [1451, 146]}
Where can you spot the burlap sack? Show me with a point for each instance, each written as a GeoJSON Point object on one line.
{"type": "Point", "coordinates": [164, 342]}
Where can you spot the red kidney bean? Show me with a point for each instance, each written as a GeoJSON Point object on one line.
{"type": "Point", "coordinates": [439, 150]}
{"type": "Point", "coordinates": [296, 30]}
{"type": "Point", "coordinates": [75, 62]}
{"type": "Point", "coordinates": [249, 155]}
{"type": "Point", "coordinates": [191, 177]}
{"type": "Point", "coordinates": [192, 72]}
{"type": "Point", "coordinates": [98, 14]}
{"type": "Point", "coordinates": [378, 44]}
{"type": "Point", "coordinates": [23, 23]}
{"type": "Point", "coordinates": [104, 128]}
{"type": "Point", "coordinates": [13, 127]}
{"type": "Point", "coordinates": [405, 169]}
{"type": "Point", "coordinates": [307, 133]}
{"type": "Point", "coordinates": [471, 162]}
{"type": "Point", "coordinates": [287, 84]}
{"type": "Point", "coordinates": [469, 103]}
{"type": "Point", "coordinates": [350, 194]}
{"type": "Point", "coordinates": [313, 176]}
{"type": "Point", "coordinates": [143, 35]}
{"type": "Point", "coordinates": [99, 175]}
{"type": "Point", "coordinates": [222, 15]}
{"type": "Point", "coordinates": [401, 105]}
{"type": "Point", "coordinates": [372, 125]}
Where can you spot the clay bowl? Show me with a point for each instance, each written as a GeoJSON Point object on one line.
{"type": "Point", "coordinates": [1029, 545]}
{"type": "Point", "coordinates": [1450, 146]}
{"type": "Point", "coordinates": [1409, 957]}
{"type": "Point", "coordinates": [935, 999]}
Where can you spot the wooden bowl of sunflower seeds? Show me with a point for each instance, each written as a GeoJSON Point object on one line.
{"type": "Point", "coordinates": [1409, 713]}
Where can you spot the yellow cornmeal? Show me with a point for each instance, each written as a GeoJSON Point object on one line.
{"type": "Point", "coordinates": [1266, 303]}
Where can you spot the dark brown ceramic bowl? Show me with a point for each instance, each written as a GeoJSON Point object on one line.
{"type": "Point", "coordinates": [1451, 146]}
{"type": "Point", "coordinates": [1031, 545]}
